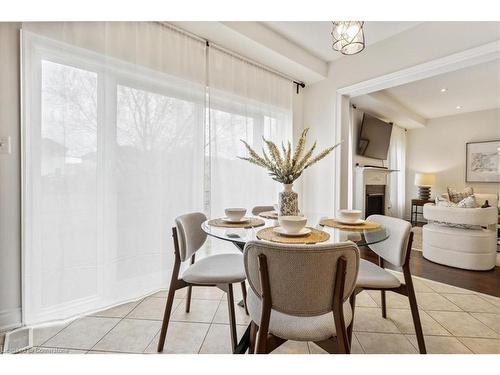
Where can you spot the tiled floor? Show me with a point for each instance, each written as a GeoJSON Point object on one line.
{"type": "Point", "coordinates": [454, 321]}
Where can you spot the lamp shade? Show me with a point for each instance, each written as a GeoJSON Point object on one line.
{"type": "Point", "coordinates": [424, 179]}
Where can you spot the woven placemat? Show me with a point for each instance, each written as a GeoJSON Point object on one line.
{"type": "Point", "coordinates": [367, 225]}
{"type": "Point", "coordinates": [314, 237]}
{"type": "Point", "coordinates": [269, 215]}
{"type": "Point", "coordinates": [251, 223]}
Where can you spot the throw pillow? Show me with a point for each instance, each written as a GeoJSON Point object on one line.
{"type": "Point", "coordinates": [456, 196]}
{"type": "Point", "coordinates": [443, 202]}
{"type": "Point", "coordinates": [469, 202]}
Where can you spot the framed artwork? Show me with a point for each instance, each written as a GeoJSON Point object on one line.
{"type": "Point", "coordinates": [482, 161]}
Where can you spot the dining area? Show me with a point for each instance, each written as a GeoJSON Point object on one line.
{"type": "Point", "coordinates": [299, 274]}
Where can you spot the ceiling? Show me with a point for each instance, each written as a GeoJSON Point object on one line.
{"type": "Point", "coordinates": [474, 88]}
{"type": "Point", "coordinates": [314, 36]}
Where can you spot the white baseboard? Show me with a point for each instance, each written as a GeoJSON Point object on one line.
{"type": "Point", "coordinates": [10, 319]}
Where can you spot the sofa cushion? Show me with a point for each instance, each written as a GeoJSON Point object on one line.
{"type": "Point", "coordinates": [456, 196]}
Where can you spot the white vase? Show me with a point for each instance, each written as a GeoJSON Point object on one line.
{"type": "Point", "coordinates": [288, 203]}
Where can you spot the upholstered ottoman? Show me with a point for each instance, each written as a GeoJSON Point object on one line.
{"type": "Point", "coordinates": [453, 244]}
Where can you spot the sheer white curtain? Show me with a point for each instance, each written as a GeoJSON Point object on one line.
{"type": "Point", "coordinates": [246, 102]}
{"type": "Point", "coordinates": [113, 119]}
{"type": "Point", "coordinates": [397, 160]}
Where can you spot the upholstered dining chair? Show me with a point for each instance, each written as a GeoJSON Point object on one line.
{"type": "Point", "coordinates": [300, 293]}
{"type": "Point", "coordinates": [259, 209]}
{"type": "Point", "coordinates": [395, 250]}
{"type": "Point", "coordinates": [221, 270]}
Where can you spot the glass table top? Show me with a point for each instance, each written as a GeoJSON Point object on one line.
{"type": "Point", "coordinates": [240, 236]}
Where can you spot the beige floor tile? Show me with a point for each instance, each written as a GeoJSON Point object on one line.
{"type": "Point", "coordinates": [435, 301]}
{"type": "Point", "coordinates": [181, 293]}
{"type": "Point", "coordinates": [130, 336]}
{"type": "Point", "coordinates": [202, 311]}
{"type": "Point", "coordinates": [472, 303]}
{"type": "Point", "coordinates": [103, 352]}
{"type": "Point", "coordinates": [153, 308]}
{"type": "Point", "coordinates": [238, 296]}
{"type": "Point", "coordinates": [292, 347]}
{"type": "Point", "coordinates": [418, 284]}
{"type": "Point", "coordinates": [355, 347]}
{"type": "Point", "coordinates": [119, 311]}
{"type": "Point", "coordinates": [491, 320]}
{"type": "Point", "coordinates": [491, 299]}
{"type": "Point", "coordinates": [482, 346]}
{"type": "Point", "coordinates": [82, 333]}
{"type": "Point", "coordinates": [445, 288]}
{"type": "Point", "coordinates": [461, 324]}
{"type": "Point", "coordinates": [404, 321]}
{"type": "Point", "coordinates": [222, 314]}
{"type": "Point", "coordinates": [441, 345]}
{"type": "Point", "coordinates": [385, 343]}
{"type": "Point", "coordinates": [43, 333]}
{"type": "Point", "coordinates": [393, 300]}
{"type": "Point", "coordinates": [182, 338]}
{"type": "Point", "coordinates": [206, 292]}
{"type": "Point", "coordinates": [218, 339]}
{"type": "Point", "coordinates": [363, 299]}
{"type": "Point", "coordinates": [367, 319]}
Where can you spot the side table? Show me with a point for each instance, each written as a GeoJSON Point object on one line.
{"type": "Point", "coordinates": [415, 204]}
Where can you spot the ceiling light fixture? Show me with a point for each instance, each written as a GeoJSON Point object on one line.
{"type": "Point", "coordinates": [348, 37]}
{"type": "Point", "coordinates": [444, 89]}
{"type": "Point", "coordinates": [458, 107]}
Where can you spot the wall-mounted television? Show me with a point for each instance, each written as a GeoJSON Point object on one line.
{"type": "Point", "coordinates": [374, 137]}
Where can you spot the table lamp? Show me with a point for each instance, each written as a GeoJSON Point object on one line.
{"type": "Point", "coordinates": [424, 181]}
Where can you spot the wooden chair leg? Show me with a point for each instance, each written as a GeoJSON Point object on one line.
{"type": "Point", "coordinates": [244, 294]}
{"type": "Point", "coordinates": [188, 298]}
{"type": "Point", "coordinates": [253, 337]}
{"type": "Point", "coordinates": [232, 316]}
{"type": "Point", "coordinates": [414, 312]}
{"type": "Point", "coordinates": [166, 318]}
{"type": "Point", "coordinates": [352, 301]}
{"type": "Point", "coordinates": [384, 306]}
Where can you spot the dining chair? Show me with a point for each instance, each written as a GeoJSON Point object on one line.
{"type": "Point", "coordinates": [395, 250]}
{"type": "Point", "coordinates": [259, 209]}
{"type": "Point", "coordinates": [221, 270]}
{"type": "Point", "coordinates": [300, 293]}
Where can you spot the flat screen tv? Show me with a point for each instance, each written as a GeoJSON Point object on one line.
{"type": "Point", "coordinates": [374, 137]}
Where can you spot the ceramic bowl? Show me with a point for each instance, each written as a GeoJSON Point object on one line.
{"type": "Point", "coordinates": [292, 224]}
{"type": "Point", "coordinates": [349, 216]}
{"type": "Point", "coordinates": [235, 214]}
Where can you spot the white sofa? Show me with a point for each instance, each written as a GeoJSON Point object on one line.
{"type": "Point", "coordinates": [455, 243]}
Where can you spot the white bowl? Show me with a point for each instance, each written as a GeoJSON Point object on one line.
{"type": "Point", "coordinates": [349, 216]}
{"type": "Point", "coordinates": [292, 224]}
{"type": "Point", "coordinates": [235, 214]}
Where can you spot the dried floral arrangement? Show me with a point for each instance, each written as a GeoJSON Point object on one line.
{"type": "Point", "coordinates": [283, 166]}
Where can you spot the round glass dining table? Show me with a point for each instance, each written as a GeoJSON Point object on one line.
{"type": "Point", "coordinates": [240, 236]}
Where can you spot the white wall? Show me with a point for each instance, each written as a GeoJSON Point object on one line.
{"type": "Point", "coordinates": [10, 186]}
{"type": "Point", "coordinates": [427, 41]}
{"type": "Point", "coordinates": [440, 148]}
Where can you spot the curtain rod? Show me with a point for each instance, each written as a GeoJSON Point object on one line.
{"type": "Point", "coordinates": [229, 52]}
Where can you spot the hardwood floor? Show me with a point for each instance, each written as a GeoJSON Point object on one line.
{"type": "Point", "coordinates": [487, 282]}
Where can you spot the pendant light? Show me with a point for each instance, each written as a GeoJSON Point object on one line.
{"type": "Point", "coordinates": [348, 37]}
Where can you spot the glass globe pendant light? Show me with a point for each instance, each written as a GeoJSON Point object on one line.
{"type": "Point", "coordinates": [348, 37]}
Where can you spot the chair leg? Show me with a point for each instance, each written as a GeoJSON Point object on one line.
{"type": "Point", "coordinates": [414, 313]}
{"type": "Point", "coordinates": [253, 337]}
{"type": "Point", "coordinates": [352, 301]}
{"type": "Point", "coordinates": [244, 294]}
{"type": "Point", "coordinates": [166, 318]}
{"type": "Point", "coordinates": [188, 298]}
{"type": "Point", "coordinates": [232, 316]}
{"type": "Point", "coordinates": [384, 307]}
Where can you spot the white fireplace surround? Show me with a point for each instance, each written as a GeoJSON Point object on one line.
{"type": "Point", "coordinates": [364, 176]}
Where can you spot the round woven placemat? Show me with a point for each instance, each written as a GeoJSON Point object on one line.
{"type": "Point", "coordinates": [367, 225]}
{"type": "Point", "coordinates": [314, 237]}
{"type": "Point", "coordinates": [269, 215]}
{"type": "Point", "coordinates": [251, 223]}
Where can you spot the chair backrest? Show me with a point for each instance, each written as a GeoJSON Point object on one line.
{"type": "Point", "coordinates": [394, 248]}
{"type": "Point", "coordinates": [258, 209]}
{"type": "Point", "coordinates": [301, 277]}
{"type": "Point", "coordinates": [189, 233]}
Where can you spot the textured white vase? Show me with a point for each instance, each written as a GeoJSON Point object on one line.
{"type": "Point", "coordinates": [288, 203]}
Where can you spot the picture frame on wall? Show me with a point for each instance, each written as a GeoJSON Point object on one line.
{"type": "Point", "coordinates": [482, 161]}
